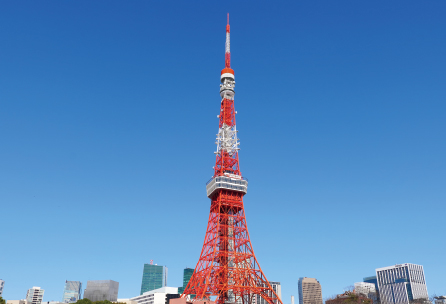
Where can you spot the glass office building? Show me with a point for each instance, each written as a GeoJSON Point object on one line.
{"type": "Point", "coordinates": [401, 284]}
{"type": "Point", "coordinates": [153, 277]}
{"type": "Point", "coordinates": [72, 292]}
{"type": "Point", "coordinates": [187, 274]}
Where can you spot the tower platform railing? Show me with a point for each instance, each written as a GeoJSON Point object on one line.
{"type": "Point", "coordinates": [225, 182]}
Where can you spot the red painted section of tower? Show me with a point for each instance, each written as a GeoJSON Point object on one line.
{"type": "Point", "coordinates": [227, 269]}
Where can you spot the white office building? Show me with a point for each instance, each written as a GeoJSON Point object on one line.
{"type": "Point", "coordinates": [401, 283]}
{"type": "Point", "coordinates": [2, 284]}
{"type": "Point", "coordinates": [126, 301]}
{"type": "Point", "coordinates": [277, 289]}
{"type": "Point", "coordinates": [156, 296]}
{"type": "Point", "coordinates": [440, 300]}
{"type": "Point", "coordinates": [34, 295]}
{"type": "Point", "coordinates": [364, 288]}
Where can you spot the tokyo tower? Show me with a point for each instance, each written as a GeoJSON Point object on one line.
{"type": "Point", "coordinates": [228, 269]}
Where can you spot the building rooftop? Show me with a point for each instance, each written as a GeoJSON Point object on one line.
{"type": "Point", "coordinates": [396, 266]}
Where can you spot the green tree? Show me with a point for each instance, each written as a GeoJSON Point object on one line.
{"type": "Point", "coordinates": [354, 298]}
{"type": "Point", "coordinates": [103, 302]}
{"type": "Point", "coordinates": [84, 301]}
{"type": "Point", "coordinates": [87, 301]}
{"type": "Point", "coordinates": [2, 301]}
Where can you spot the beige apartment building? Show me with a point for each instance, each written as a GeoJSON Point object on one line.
{"type": "Point", "coordinates": [310, 291]}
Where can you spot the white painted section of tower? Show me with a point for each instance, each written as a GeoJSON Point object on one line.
{"type": "Point", "coordinates": [227, 75]}
{"type": "Point", "coordinates": [227, 139]}
{"type": "Point", "coordinates": [227, 44]}
{"type": "Point", "coordinates": [227, 136]}
{"type": "Point", "coordinates": [227, 87]}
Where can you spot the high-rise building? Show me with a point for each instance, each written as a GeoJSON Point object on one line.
{"type": "Point", "coordinates": [372, 280]}
{"type": "Point", "coordinates": [310, 291]}
{"type": "Point", "coordinates": [35, 295]}
{"type": "Point", "coordinates": [366, 289]}
{"type": "Point", "coordinates": [401, 283]}
{"type": "Point", "coordinates": [158, 296]}
{"type": "Point", "coordinates": [187, 274]}
{"type": "Point", "coordinates": [277, 289]}
{"type": "Point", "coordinates": [101, 290]}
{"type": "Point", "coordinates": [153, 277]}
{"type": "Point", "coordinates": [72, 292]}
{"type": "Point", "coordinates": [2, 284]}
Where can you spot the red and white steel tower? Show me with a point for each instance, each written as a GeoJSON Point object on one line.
{"type": "Point", "coordinates": [227, 268]}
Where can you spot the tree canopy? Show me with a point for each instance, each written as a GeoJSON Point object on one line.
{"type": "Point", "coordinates": [88, 301]}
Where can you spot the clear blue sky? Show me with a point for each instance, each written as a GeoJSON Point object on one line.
{"type": "Point", "coordinates": [108, 122]}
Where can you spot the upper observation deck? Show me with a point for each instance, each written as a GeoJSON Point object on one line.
{"type": "Point", "coordinates": [228, 181]}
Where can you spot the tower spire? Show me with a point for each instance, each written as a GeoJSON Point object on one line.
{"type": "Point", "coordinates": [228, 47]}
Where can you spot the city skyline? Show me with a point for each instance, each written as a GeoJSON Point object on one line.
{"type": "Point", "coordinates": [395, 274]}
{"type": "Point", "coordinates": [95, 100]}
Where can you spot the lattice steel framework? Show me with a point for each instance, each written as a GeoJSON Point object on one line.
{"type": "Point", "coordinates": [227, 268]}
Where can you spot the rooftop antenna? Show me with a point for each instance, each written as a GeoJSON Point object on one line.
{"type": "Point", "coordinates": [228, 47]}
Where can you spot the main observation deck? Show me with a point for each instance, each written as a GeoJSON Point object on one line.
{"type": "Point", "coordinates": [228, 181]}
